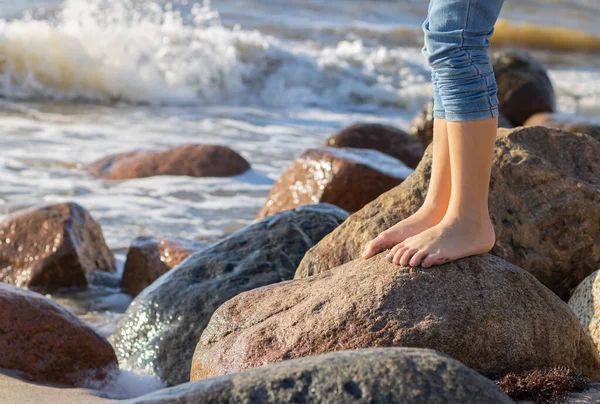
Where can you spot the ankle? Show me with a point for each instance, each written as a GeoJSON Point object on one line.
{"type": "Point", "coordinates": [472, 217]}
{"type": "Point", "coordinates": [434, 207]}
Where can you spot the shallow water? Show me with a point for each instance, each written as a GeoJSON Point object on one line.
{"type": "Point", "coordinates": [80, 79]}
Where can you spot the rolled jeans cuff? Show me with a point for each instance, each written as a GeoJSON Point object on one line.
{"type": "Point", "coordinates": [471, 115]}
{"type": "Point", "coordinates": [439, 114]}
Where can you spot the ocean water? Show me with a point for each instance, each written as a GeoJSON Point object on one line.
{"type": "Point", "coordinates": [80, 79]}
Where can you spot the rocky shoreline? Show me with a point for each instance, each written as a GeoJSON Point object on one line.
{"type": "Point", "coordinates": [285, 310]}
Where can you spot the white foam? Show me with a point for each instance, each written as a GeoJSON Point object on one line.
{"type": "Point", "coordinates": [106, 50]}
{"type": "Point", "coordinates": [124, 384]}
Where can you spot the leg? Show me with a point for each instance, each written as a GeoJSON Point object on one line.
{"type": "Point", "coordinates": [438, 193]}
{"type": "Point", "coordinates": [466, 229]}
{"type": "Point", "coordinates": [436, 201]}
{"type": "Point", "coordinates": [459, 40]}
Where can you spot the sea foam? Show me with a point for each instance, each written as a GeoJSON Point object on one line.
{"type": "Point", "coordinates": [142, 52]}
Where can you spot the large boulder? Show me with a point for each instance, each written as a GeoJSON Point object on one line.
{"type": "Point", "coordinates": [383, 138]}
{"type": "Point", "coordinates": [585, 302]}
{"type": "Point", "coordinates": [348, 178]}
{"type": "Point", "coordinates": [382, 375]}
{"type": "Point", "coordinates": [524, 87]}
{"type": "Point", "coordinates": [572, 124]}
{"type": "Point", "coordinates": [483, 311]}
{"type": "Point", "coordinates": [48, 343]}
{"type": "Point", "coordinates": [544, 202]}
{"type": "Point", "coordinates": [191, 160]}
{"type": "Point", "coordinates": [148, 259]}
{"type": "Point", "coordinates": [46, 248]}
{"type": "Point", "coordinates": [161, 327]}
{"type": "Point", "coordinates": [421, 127]}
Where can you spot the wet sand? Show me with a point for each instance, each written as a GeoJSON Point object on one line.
{"type": "Point", "coordinates": [17, 391]}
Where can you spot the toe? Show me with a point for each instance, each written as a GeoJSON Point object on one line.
{"type": "Point", "coordinates": [398, 254]}
{"type": "Point", "coordinates": [431, 260]}
{"type": "Point", "coordinates": [408, 254]}
{"type": "Point", "coordinates": [393, 251]}
{"type": "Point", "coordinates": [375, 246]}
{"type": "Point", "coordinates": [418, 258]}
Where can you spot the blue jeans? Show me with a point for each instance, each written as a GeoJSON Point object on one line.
{"type": "Point", "coordinates": [457, 36]}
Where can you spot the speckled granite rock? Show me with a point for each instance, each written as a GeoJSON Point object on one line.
{"type": "Point", "coordinates": [383, 138]}
{"type": "Point", "coordinates": [48, 343]}
{"type": "Point", "coordinates": [544, 203]}
{"type": "Point", "coordinates": [160, 329]}
{"type": "Point", "coordinates": [585, 302]}
{"type": "Point", "coordinates": [49, 247]}
{"type": "Point", "coordinates": [383, 375]}
{"type": "Point", "coordinates": [348, 178]}
{"type": "Point", "coordinates": [481, 310]}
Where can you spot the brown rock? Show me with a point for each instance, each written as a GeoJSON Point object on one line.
{"type": "Point", "coordinates": [48, 343]}
{"type": "Point", "coordinates": [570, 124]}
{"type": "Point", "coordinates": [348, 178]}
{"type": "Point", "coordinates": [421, 126]}
{"type": "Point", "coordinates": [383, 138]}
{"type": "Point", "coordinates": [191, 160]}
{"type": "Point", "coordinates": [483, 311]}
{"type": "Point", "coordinates": [148, 259]}
{"type": "Point", "coordinates": [544, 203]}
{"type": "Point", "coordinates": [46, 248]}
{"type": "Point", "coordinates": [524, 87]}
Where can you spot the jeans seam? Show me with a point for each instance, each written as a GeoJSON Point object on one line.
{"type": "Point", "coordinates": [462, 47]}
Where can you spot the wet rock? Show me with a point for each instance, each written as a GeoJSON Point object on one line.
{"type": "Point", "coordinates": [48, 343]}
{"type": "Point", "coordinates": [569, 123]}
{"type": "Point", "coordinates": [148, 259]}
{"type": "Point", "coordinates": [585, 302]}
{"type": "Point", "coordinates": [46, 248]}
{"type": "Point", "coordinates": [483, 311]}
{"type": "Point", "coordinates": [383, 138]}
{"type": "Point", "coordinates": [348, 178]}
{"type": "Point", "coordinates": [161, 327]}
{"type": "Point", "coordinates": [190, 160]}
{"type": "Point", "coordinates": [382, 375]}
{"type": "Point", "coordinates": [421, 126]}
{"type": "Point", "coordinates": [524, 87]}
{"type": "Point", "coordinates": [544, 203]}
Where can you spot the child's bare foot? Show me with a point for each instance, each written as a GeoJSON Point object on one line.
{"type": "Point", "coordinates": [451, 239]}
{"type": "Point", "coordinates": [421, 220]}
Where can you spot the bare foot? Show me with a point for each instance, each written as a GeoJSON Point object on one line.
{"type": "Point", "coordinates": [451, 239]}
{"type": "Point", "coordinates": [420, 221]}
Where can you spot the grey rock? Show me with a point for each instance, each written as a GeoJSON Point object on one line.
{"type": "Point", "coordinates": [159, 331]}
{"type": "Point", "coordinates": [376, 375]}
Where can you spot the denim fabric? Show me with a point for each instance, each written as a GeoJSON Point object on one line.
{"type": "Point", "coordinates": [457, 36]}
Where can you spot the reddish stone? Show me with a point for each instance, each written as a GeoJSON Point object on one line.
{"type": "Point", "coordinates": [482, 311]}
{"type": "Point", "coordinates": [49, 343]}
{"type": "Point", "coordinates": [190, 160]}
{"type": "Point", "coordinates": [384, 138]}
{"type": "Point", "coordinates": [348, 178]}
{"type": "Point", "coordinates": [148, 259]}
{"type": "Point", "coordinates": [45, 248]}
